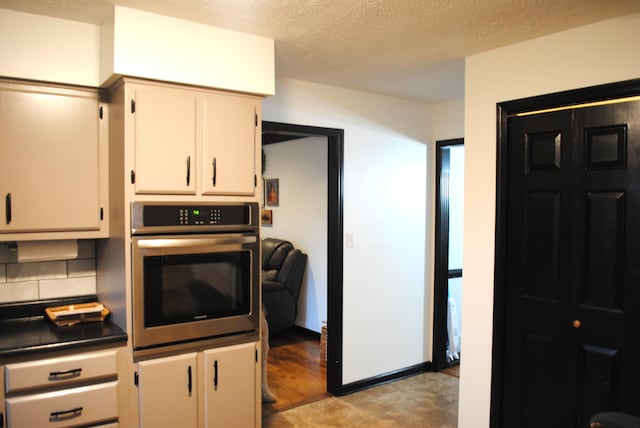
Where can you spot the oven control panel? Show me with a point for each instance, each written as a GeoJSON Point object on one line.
{"type": "Point", "coordinates": [196, 216]}
{"type": "Point", "coordinates": [179, 216]}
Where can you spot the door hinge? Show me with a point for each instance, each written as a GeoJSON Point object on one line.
{"type": "Point", "coordinates": [256, 355]}
{"type": "Point", "coordinates": [135, 378]}
{"type": "Point", "coordinates": [101, 213]}
{"type": "Point", "coordinates": [133, 106]}
{"type": "Point", "coordinates": [255, 180]}
{"type": "Point", "coordinates": [101, 113]}
{"type": "Point", "coordinates": [133, 177]}
{"type": "Point", "coordinates": [256, 119]}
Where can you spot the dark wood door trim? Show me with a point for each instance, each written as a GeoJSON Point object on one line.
{"type": "Point", "coordinates": [274, 132]}
{"type": "Point", "coordinates": [504, 110]}
{"type": "Point", "coordinates": [441, 258]}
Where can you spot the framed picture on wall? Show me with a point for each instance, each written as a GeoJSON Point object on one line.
{"type": "Point", "coordinates": [267, 217]}
{"type": "Point", "coordinates": [271, 192]}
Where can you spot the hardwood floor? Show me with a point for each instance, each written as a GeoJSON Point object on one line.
{"type": "Point", "coordinates": [295, 374]}
{"type": "Point", "coordinates": [453, 370]}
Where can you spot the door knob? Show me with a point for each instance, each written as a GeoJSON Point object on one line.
{"type": "Point", "coordinates": [577, 323]}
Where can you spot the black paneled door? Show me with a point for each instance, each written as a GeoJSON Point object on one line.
{"type": "Point", "coordinates": [572, 325]}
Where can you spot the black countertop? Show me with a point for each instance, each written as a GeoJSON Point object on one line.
{"type": "Point", "coordinates": [25, 330]}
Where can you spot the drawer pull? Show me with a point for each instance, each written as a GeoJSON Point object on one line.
{"type": "Point", "coordinates": [65, 414]}
{"type": "Point", "coordinates": [65, 374]}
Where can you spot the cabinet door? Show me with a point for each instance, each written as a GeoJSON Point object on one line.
{"type": "Point", "coordinates": [167, 392]}
{"type": "Point", "coordinates": [165, 141]}
{"type": "Point", "coordinates": [228, 145]}
{"type": "Point", "coordinates": [49, 163]}
{"type": "Point", "coordinates": [229, 386]}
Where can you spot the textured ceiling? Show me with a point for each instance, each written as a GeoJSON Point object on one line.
{"type": "Point", "coordinates": [407, 48]}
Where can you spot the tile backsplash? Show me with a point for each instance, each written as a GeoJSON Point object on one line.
{"type": "Point", "coordinates": [21, 282]}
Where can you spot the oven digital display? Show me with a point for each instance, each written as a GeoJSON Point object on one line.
{"type": "Point", "coordinates": [178, 215]}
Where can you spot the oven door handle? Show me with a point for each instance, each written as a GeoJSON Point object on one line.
{"type": "Point", "coordinates": [196, 242]}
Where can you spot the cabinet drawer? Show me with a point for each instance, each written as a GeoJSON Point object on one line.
{"type": "Point", "coordinates": [69, 407]}
{"type": "Point", "coordinates": [60, 371]}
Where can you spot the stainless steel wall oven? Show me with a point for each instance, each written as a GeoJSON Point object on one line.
{"type": "Point", "coordinates": [196, 271]}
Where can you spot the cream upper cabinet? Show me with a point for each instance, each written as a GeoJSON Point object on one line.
{"type": "Point", "coordinates": [189, 141]}
{"type": "Point", "coordinates": [228, 145]}
{"type": "Point", "coordinates": [53, 161]}
{"type": "Point", "coordinates": [165, 140]}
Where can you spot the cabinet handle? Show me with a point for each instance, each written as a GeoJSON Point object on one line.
{"type": "Point", "coordinates": [215, 172]}
{"type": "Point", "coordinates": [215, 375]}
{"type": "Point", "coordinates": [189, 376]}
{"type": "Point", "coordinates": [188, 169]}
{"type": "Point", "coordinates": [65, 414]}
{"type": "Point", "coordinates": [65, 374]}
{"type": "Point", "coordinates": [7, 203]}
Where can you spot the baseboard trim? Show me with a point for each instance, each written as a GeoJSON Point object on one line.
{"type": "Point", "coordinates": [303, 330]}
{"type": "Point", "coordinates": [385, 378]}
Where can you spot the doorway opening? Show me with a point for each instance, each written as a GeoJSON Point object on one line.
{"type": "Point", "coordinates": [447, 299]}
{"type": "Point", "coordinates": [273, 132]}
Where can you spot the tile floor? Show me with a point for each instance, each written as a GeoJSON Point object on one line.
{"type": "Point", "coordinates": [425, 400]}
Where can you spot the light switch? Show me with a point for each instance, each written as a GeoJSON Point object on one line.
{"type": "Point", "coordinates": [349, 239]}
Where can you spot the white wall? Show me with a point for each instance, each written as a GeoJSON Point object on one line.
{"type": "Point", "coordinates": [456, 225]}
{"type": "Point", "coordinates": [595, 54]}
{"type": "Point", "coordinates": [386, 326]}
{"type": "Point", "coordinates": [48, 49]}
{"type": "Point", "coordinates": [456, 205]}
{"type": "Point", "coordinates": [301, 216]}
{"type": "Point", "coordinates": [448, 123]}
{"type": "Point", "coordinates": [448, 120]}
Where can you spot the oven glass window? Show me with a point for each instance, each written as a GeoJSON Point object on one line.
{"type": "Point", "coordinates": [192, 287]}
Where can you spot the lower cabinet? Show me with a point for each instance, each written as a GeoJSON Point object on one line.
{"type": "Point", "coordinates": [167, 394]}
{"type": "Point", "coordinates": [229, 376]}
{"type": "Point", "coordinates": [212, 388]}
{"type": "Point", "coordinates": [72, 390]}
{"type": "Point", "coordinates": [68, 407]}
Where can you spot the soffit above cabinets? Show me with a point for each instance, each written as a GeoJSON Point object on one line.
{"type": "Point", "coordinates": [412, 49]}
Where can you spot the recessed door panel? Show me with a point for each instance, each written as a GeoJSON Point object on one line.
{"type": "Point", "coordinates": [543, 150]}
{"type": "Point", "coordinates": [606, 147]}
{"type": "Point", "coordinates": [598, 380]}
{"type": "Point", "coordinates": [539, 380]}
{"type": "Point", "coordinates": [603, 285]}
{"type": "Point", "coordinates": [541, 245]}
